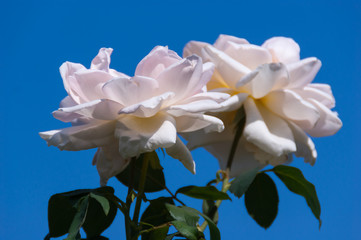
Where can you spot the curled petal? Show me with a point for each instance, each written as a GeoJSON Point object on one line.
{"type": "Point", "coordinates": [102, 60]}
{"type": "Point", "coordinates": [101, 109]}
{"type": "Point", "coordinates": [264, 79]}
{"type": "Point", "coordinates": [180, 151]}
{"type": "Point", "coordinates": [194, 47]}
{"type": "Point", "coordinates": [86, 136]}
{"type": "Point", "coordinates": [249, 55]}
{"type": "Point", "coordinates": [310, 92]}
{"type": "Point", "coordinates": [148, 107]}
{"type": "Point", "coordinates": [138, 135]}
{"type": "Point", "coordinates": [223, 41]}
{"type": "Point", "coordinates": [109, 162]}
{"type": "Point", "coordinates": [243, 160]}
{"type": "Point", "coordinates": [328, 124]}
{"type": "Point", "coordinates": [284, 50]}
{"type": "Point", "coordinates": [188, 122]}
{"type": "Point", "coordinates": [156, 62]}
{"type": "Point", "coordinates": [129, 91]}
{"type": "Point", "coordinates": [291, 106]}
{"type": "Point", "coordinates": [305, 147]}
{"type": "Point", "coordinates": [267, 131]}
{"type": "Point", "coordinates": [182, 78]}
{"type": "Point", "coordinates": [303, 72]}
{"type": "Point", "coordinates": [67, 71]}
{"type": "Point", "coordinates": [230, 70]}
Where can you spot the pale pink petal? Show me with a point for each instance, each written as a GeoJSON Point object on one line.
{"type": "Point", "coordinates": [109, 162]}
{"type": "Point", "coordinates": [322, 87]}
{"type": "Point", "coordinates": [67, 102]}
{"type": "Point", "coordinates": [328, 124]}
{"type": "Point", "coordinates": [87, 136]}
{"type": "Point", "coordinates": [188, 122]}
{"type": "Point", "coordinates": [138, 135]}
{"type": "Point", "coordinates": [284, 50]}
{"type": "Point", "coordinates": [182, 78]}
{"type": "Point", "coordinates": [303, 72]}
{"type": "Point", "coordinates": [229, 69]}
{"type": "Point", "coordinates": [264, 79]}
{"type": "Point", "coordinates": [289, 105]}
{"type": "Point", "coordinates": [101, 109]}
{"type": "Point", "coordinates": [243, 161]}
{"type": "Point", "coordinates": [223, 41]}
{"type": "Point", "coordinates": [130, 91]}
{"type": "Point", "coordinates": [180, 151]}
{"type": "Point", "coordinates": [266, 130]}
{"type": "Point", "coordinates": [67, 71]}
{"type": "Point", "coordinates": [156, 61]}
{"type": "Point", "coordinates": [249, 55]}
{"type": "Point", "coordinates": [305, 147]}
{"type": "Point", "coordinates": [194, 47]}
{"type": "Point", "coordinates": [149, 107]}
{"type": "Point", "coordinates": [310, 92]}
{"type": "Point", "coordinates": [102, 60]}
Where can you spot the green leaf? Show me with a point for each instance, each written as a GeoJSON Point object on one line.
{"type": "Point", "coordinates": [62, 211]}
{"type": "Point", "coordinates": [155, 177]}
{"type": "Point", "coordinates": [79, 218]}
{"type": "Point", "coordinates": [97, 220]}
{"type": "Point", "coordinates": [190, 232]}
{"type": "Point", "coordinates": [210, 210]}
{"type": "Point", "coordinates": [206, 193]}
{"type": "Point", "coordinates": [241, 183]}
{"type": "Point", "coordinates": [187, 215]}
{"type": "Point", "coordinates": [190, 216]}
{"type": "Point", "coordinates": [261, 200]}
{"type": "Point", "coordinates": [102, 201]}
{"type": "Point", "coordinates": [295, 181]}
{"type": "Point", "coordinates": [157, 214]}
{"type": "Point", "coordinates": [60, 215]}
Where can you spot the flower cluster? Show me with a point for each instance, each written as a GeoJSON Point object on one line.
{"type": "Point", "coordinates": [197, 96]}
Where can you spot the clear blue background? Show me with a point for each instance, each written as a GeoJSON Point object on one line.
{"type": "Point", "coordinates": [38, 36]}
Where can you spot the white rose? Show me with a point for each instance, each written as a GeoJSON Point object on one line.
{"type": "Point", "coordinates": [125, 116]}
{"type": "Point", "coordinates": [280, 102]}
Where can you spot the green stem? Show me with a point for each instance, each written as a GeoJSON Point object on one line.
{"type": "Point", "coordinates": [128, 228]}
{"type": "Point", "coordinates": [225, 186]}
{"type": "Point", "coordinates": [138, 203]}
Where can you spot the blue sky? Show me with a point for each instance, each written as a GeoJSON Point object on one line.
{"type": "Point", "coordinates": [38, 36]}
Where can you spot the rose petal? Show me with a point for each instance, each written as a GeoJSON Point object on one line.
{"type": "Point", "coordinates": [180, 151]}
{"type": "Point", "coordinates": [156, 61]}
{"type": "Point", "coordinates": [194, 47]}
{"type": "Point", "coordinates": [109, 162]}
{"type": "Point", "coordinates": [182, 78]}
{"type": "Point", "coordinates": [328, 124]}
{"type": "Point", "coordinates": [102, 60]}
{"type": "Point", "coordinates": [102, 109]}
{"type": "Point", "coordinates": [148, 107]}
{"type": "Point", "coordinates": [305, 147]}
{"type": "Point", "coordinates": [138, 135]}
{"type": "Point", "coordinates": [67, 71]}
{"type": "Point", "coordinates": [223, 41]}
{"type": "Point", "coordinates": [86, 136]}
{"type": "Point", "coordinates": [266, 130]}
{"type": "Point", "coordinates": [230, 70]}
{"type": "Point", "coordinates": [187, 122]}
{"type": "Point", "coordinates": [303, 72]}
{"type": "Point", "coordinates": [291, 106]}
{"type": "Point", "coordinates": [243, 160]}
{"type": "Point", "coordinates": [310, 92]}
{"type": "Point", "coordinates": [249, 55]}
{"type": "Point", "coordinates": [130, 91]}
{"type": "Point", "coordinates": [284, 50]}
{"type": "Point", "coordinates": [264, 79]}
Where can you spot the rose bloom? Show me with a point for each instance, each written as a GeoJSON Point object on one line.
{"type": "Point", "coordinates": [125, 116]}
{"type": "Point", "coordinates": [281, 104]}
